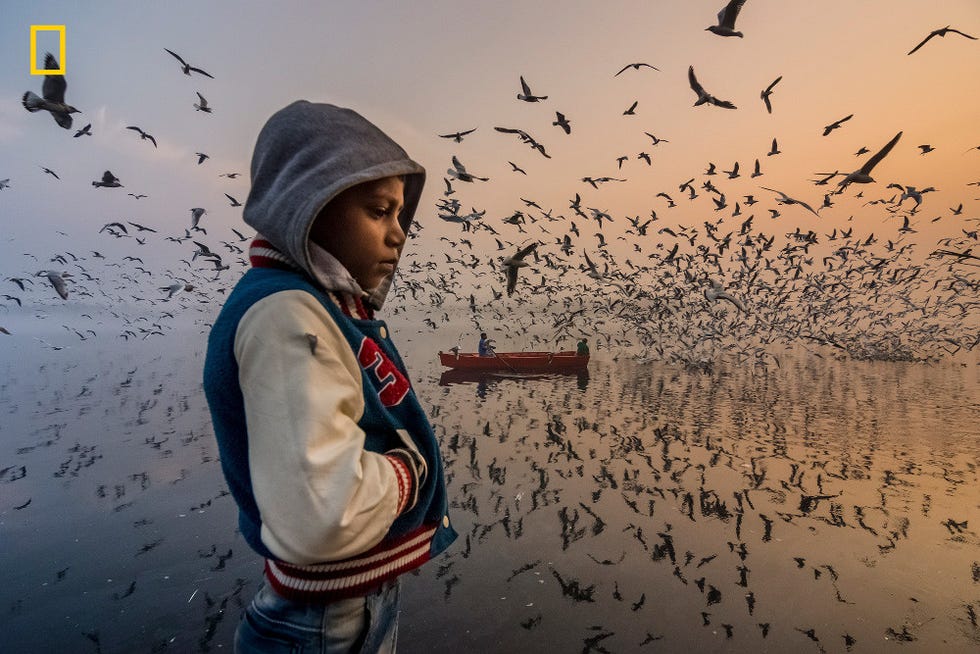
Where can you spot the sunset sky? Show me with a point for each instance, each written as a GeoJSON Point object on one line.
{"type": "Point", "coordinates": [425, 68]}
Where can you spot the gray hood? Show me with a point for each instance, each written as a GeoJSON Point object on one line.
{"type": "Point", "coordinates": [305, 155]}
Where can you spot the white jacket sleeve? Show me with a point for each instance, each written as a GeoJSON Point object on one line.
{"type": "Point", "coordinates": [321, 495]}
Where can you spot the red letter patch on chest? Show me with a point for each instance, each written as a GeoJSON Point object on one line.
{"type": "Point", "coordinates": [394, 385]}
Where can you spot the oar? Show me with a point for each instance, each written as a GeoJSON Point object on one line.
{"type": "Point", "coordinates": [503, 361]}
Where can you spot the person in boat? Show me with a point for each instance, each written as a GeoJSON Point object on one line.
{"type": "Point", "coordinates": [583, 348]}
{"type": "Point", "coordinates": [324, 445]}
{"type": "Point", "coordinates": [485, 347]}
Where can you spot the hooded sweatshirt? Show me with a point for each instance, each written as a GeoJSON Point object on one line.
{"type": "Point", "coordinates": [310, 401]}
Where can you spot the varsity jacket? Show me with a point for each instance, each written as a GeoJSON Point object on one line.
{"type": "Point", "coordinates": [310, 401]}
{"type": "Point", "coordinates": [307, 394]}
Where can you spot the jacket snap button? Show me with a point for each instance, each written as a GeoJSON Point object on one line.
{"type": "Point", "coordinates": [383, 332]}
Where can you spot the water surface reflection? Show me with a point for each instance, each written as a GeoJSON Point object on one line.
{"type": "Point", "coordinates": [823, 505]}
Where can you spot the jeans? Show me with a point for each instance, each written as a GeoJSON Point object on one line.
{"type": "Point", "coordinates": [273, 624]}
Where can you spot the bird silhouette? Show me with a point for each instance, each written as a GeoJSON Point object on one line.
{"type": "Point", "coordinates": [635, 66]}
{"type": "Point", "coordinates": [514, 263]}
{"type": "Point", "coordinates": [940, 32]}
{"type": "Point", "coordinates": [526, 94]}
{"type": "Point", "coordinates": [202, 104]}
{"type": "Point", "coordinates": [108, 181]}
{"type": "Point", "coordinates": [836, 124]}
{"type": "Point", "coordinates": [186, 67]}
{"type": "Point", "coordinates": [703, 96]}
{"type": "Point", "coordinates": [143, 135]}
{"type": "Point", "coordinates": [767, 92]}
{"type": "Point", "coordinates": [457, 136]}
{"type": "Point", "coordinates": [53, 92]}
{"type": "Point", "coordinates": [726, 20]}
{"type": "Point", "coordinates": [863, 174]}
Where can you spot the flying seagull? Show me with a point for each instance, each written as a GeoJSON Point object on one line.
{"type": "Point", "coordinates": [717, 292]}
{"type": "Point", "coordinates": [458, 136]}
{"type": "Point", "coordinates": [515, 262]}
{"type": "Point", "coordinates": [108, 180]}
{"type": "Point", "coordinates": [85, 131]}
{"type": "Point", "coordinates": [234, 202]}
{"type": "Point", "coordinates": [703, 96]}
{"type": "Point", "coordinates": [525, 138]}
{"type": "Point", "coordinates": [526, 94]}
{"type": "Point", "coordinates": [785, 199]}
{"type": "Point", "coordinates": [635, 66]}
{"type": "Point", "coordinates": [50, 172]}
{"type": "Point", "coordinates": [53, 90]}
{"type": "Point", "coordinates": [187, 68]}
{"type": "Point", "coordinates": [143, 135]}
{"type": "Point", "coordinates": [562, 122]}
{"type": "Point", "coordinates": [726, 19]}
{"type": "Point", "coordinates": [196, 214]}
{"type": "Point", "coordinates": [57, 281]}
{"type": "Point", "coordinates": [836, 124]}
{"type": "Point", "coordinates": [202, 104]}
{"type": "Point", "coordinates": [765, 94]}
{"type": "Point", "coordinates": [863, 174]}
{"type": "Point", "coordinates": [940, 32]}
{"type": "Point", "coordinates": [458, 171]}
{"type": "Point", "coordinates": [202, 157]}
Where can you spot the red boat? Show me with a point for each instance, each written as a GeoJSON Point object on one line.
{"type": "Point", "coordinates": [515, 361]}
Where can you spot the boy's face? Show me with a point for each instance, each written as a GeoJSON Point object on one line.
{"type": "Point", "coordinates": [360, 228]}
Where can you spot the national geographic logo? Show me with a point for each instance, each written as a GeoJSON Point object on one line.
{"type": "Point", "coordinates": [60, 29]}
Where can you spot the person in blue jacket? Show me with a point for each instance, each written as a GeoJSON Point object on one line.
{"type": "Point", "coordinates": [485, 349]}
{"type": "Point", "coordinates": [325, 447]}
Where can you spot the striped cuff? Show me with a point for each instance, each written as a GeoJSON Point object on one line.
{"type": "Point", "coordinates": [405, 480]}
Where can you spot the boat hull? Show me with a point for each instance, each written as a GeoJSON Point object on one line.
{"type": "Point", "coordinates": [515, 361]}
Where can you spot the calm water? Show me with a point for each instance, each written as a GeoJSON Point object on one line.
{"type": "Point", "coordinates": [818, 506]}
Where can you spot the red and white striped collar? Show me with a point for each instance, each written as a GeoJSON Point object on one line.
{"type": "Point", "coordinates": [263, 254]}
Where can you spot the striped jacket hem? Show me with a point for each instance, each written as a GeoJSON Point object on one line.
{"type": "Point", "coordinates": [353, 577]}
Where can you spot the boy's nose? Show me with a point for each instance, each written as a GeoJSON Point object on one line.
{"type": "Point", "coordinates": [396, 235]}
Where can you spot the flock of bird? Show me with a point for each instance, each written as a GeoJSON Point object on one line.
{"type": "Point", "coordinates": [871, 293]}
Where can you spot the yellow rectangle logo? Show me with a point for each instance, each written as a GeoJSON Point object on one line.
{"type": "Point", "coordinates": [61, 49]}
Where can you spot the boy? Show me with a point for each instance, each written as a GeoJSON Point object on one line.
{"type": "Point", "coordinates": [323, 443]}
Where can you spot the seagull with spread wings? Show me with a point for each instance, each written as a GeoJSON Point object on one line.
{"type": "Point", "coordinates": [635, 66]}
{"type": "Point", "coordinates": [525, 138]}
{"type": "Point", "coordinates": [767, 92]}
{"type": "Point", "coordinates": [940, 32]}
{"type": "Point", "coordinates": [562, 122]}
{"type": "Point", "coordinates": [458, 136]}
{"type": "Point", "coordinates": [836, 124]}
{"type": "Point", "coordinates": [202, 104]}
{"type": "Point", "coordinates": [726, 20]}
{"type": "Point", "coordinates": [863, 174]}
{"type": "Point", "coordinates": [458, 171]}
{"type": "Point", "coordinates": [143, 135]}
{"type": "Point", "coordinates": [703, 96]}
{"type": "Point", "coordinates": [53, 92]}
{"type": "Point", "coordinates": [785, 199]}
{"type": "Point", "coordinates": [514, 263]}
{"type": "Point", "coordinates": [526, 94]}
{"type": "Point", "coordinates": [186, 67]}
{"type": "Point", "coordinates": [108, 181]}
